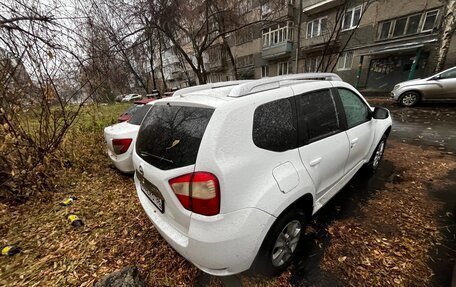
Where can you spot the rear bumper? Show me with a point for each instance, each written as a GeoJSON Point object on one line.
{"type": "Point", "coordinates": [123, 162]}
{"type": "Point", "coordinates": [220, 245]}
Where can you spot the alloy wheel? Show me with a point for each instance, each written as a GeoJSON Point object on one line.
{"type": "Point", "coordinates": [286, 243]}
{"type": "Point", "coordinates": [409, 99]}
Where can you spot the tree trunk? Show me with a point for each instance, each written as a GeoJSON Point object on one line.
{"type": "Point", "coordinates": [152, 62]}
{"type": "Point", "coordinates": [232, 60]}
{"type": "Point", "coordinates": [160, 39]}
{"type": "Point", "coordinates": [449, 27]}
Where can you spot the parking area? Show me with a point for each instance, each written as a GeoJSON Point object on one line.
{"type": "Point", "coordinates": [396, 227]}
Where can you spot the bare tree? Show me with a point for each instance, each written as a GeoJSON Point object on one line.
{"type": "Point", "coordinates": [36, 93]}
{"type": "Point", "coordinates": [196, 27]}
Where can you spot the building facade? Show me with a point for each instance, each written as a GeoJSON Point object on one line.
{"type": "Point", "coordinates": [371, 44]}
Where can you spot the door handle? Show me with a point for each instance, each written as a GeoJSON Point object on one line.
{"type": "Point", "coordinates": [315, 161]}
{"type": "Point", "coordinates": [353, 142]}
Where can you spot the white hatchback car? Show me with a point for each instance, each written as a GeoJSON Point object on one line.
{"type": "Point", "coordinates": [229, 176]}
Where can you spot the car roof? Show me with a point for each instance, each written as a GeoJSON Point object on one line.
{"type": "Point", "coordinates": [214, 96]}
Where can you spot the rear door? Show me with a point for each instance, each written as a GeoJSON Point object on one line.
{"type": "Point", "coordinates": [323, 143]}
{"type": "Point", "coordinates": [360, 131]}
{"type": "Point", "coordinates": [167, 145]}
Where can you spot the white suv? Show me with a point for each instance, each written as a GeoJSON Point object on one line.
{"type": "Point", "coordinates": [230, 175]}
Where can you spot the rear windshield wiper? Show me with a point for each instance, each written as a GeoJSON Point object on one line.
{"type": "Point", "coordinates": [144, 153]}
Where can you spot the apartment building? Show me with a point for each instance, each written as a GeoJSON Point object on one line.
{"type": "Point", "coordinates": [371, 44]}
{"type": "Point", "coordinates": [394, 40]}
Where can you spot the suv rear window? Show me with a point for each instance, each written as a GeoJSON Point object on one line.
{"type": "Point", "coordinates": [139, 114]}
{"type": "Point", "coordinates": [170, 135]}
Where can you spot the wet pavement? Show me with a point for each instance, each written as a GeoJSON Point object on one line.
{"type": "Point", "coordinates": [433, 126]}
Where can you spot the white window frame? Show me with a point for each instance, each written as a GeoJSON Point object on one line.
{"type": "Point", "coordinates": [280, 69]}
{"type": "Point", "coordinates": [312, 23]}
{"type": "Point", "coordinates": [274, 36]}
{"type": "Point", "coordinates": [424, 20]}
{"type": "Point", "coordinates": [352, 10]}
{"type": "Point", "coordinates": [265, 71]}
{"type": "Point", "coordinates": [344, 57]}
{"type": "Point", "coordinates": [404, 33]}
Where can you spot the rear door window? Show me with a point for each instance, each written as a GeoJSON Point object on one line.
{"type": "Point", "coordinates": [139, 114]}
{"type": "Point", "coordinates": [318, 115]}
{"type": "Point", "coordinates": [275, 126]}
{"type": "Point", "coordinates": [170, 135]}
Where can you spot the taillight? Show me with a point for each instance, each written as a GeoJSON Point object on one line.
{"type": "Point", "coordinates": [121, 145]}
{"type": "Point", "coordinates": [198, 192]}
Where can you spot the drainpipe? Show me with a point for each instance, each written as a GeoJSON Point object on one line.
{"type": "Point", "coordinates": [415, 63]}
{"type": "Point", "coordinates": [358, 72]}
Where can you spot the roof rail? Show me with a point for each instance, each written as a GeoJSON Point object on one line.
{"type": "Point", "coordinates": [274, 83]}
{"type": "Point", "coordinates": [192, 89]}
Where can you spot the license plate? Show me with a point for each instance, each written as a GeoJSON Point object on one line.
{"type": "Point", "coordinates": [152, 192]}
{"type": "Point", "coordinates": [157, 201]}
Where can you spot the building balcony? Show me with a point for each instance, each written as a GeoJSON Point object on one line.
{"type": "Point", "coordinates": [317, 6]}
{"type": "Point", "coordinates": [277, 51]}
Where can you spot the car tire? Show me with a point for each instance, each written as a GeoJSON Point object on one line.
{"type": "Point", "coordinates": [280, 244]}
{"type": "Point", "coordinates": [377, 156]}
{"type": "Point", "coordinates": [409, 99]}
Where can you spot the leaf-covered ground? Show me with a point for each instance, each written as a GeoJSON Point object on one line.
{"type": "Point", "coordinates": [388, 245]}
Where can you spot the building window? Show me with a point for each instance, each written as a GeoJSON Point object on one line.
{"type": "Point", "coordinates": [311, 64]}
{"type": "Point", "coordinates": [265, 71]}
{"type": "Point", "coordinates": [277, 34]}
{"type": "Point", "coordinates": [283, 68]}
{"type": "Point", "coordinates": [316, 27]}
{"type": "Point", "coordinates": [265, 10]}
{"type": "Point", "coordinates": [385, 30]}
{"type": "Point", "coordinates": [429, 20]}
{"type": "Point", "coordinates": [351, 18]}
{"type": "Point", "coordinates": [245, 61]}
{"type": "Point", "coordinates": [345, 61]}
{"type": "Point", "coordinates": [408, 25]}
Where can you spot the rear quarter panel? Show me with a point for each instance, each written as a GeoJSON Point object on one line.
{"type": "Point", "coordinates": [245, 172]}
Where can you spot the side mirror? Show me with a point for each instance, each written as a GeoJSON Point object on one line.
{"type": "Point", "coordinates": [436, 77]}
{"type": "Point", "coordinates": [380, 113]}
